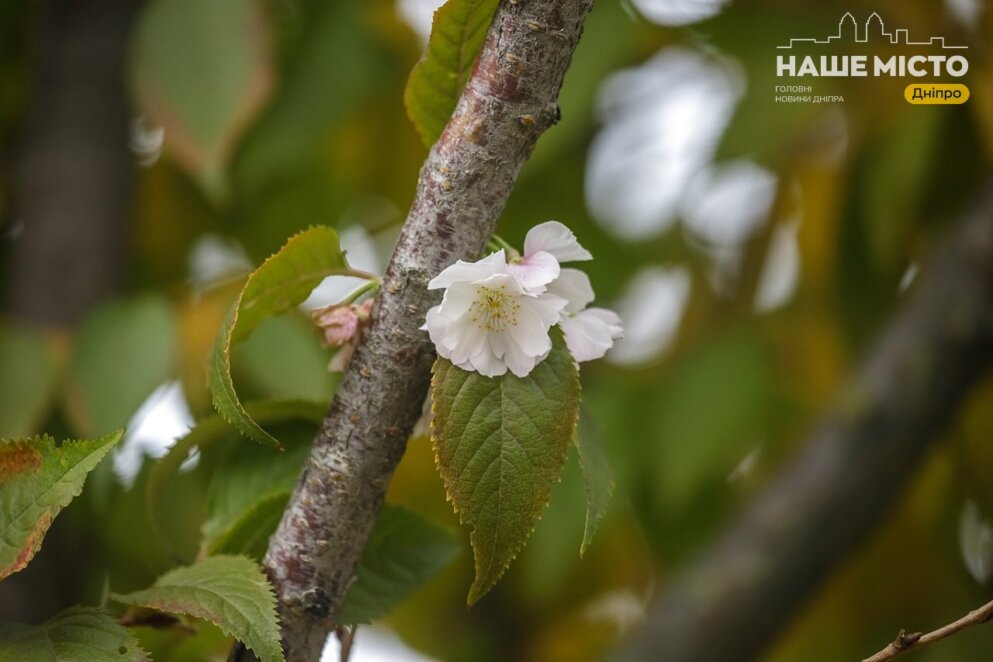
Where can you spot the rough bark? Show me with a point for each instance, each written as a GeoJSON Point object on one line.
{"type": "Point", "coordinates": [730, 604]}
{"type": "Point", "coordinates": [508, 102]}
{"type": "Point", "coordinates": [74, 176]}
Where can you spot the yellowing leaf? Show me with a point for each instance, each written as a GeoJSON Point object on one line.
{"type": "Point", "coordinates": [435, 84]}
{"type": "Point", "coordinates": [38, 480]}
{"type": "Point", "coordinates": [500, 444]}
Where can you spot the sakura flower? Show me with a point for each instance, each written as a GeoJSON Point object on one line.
{"type": "Point", "coordinates": [589, 332]}
{"type": "Point", "coordinates": [545, 246]}
{"type": "Point", "coordinates": [488, 322]}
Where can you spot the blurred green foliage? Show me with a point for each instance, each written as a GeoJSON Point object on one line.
{"type": "Point", "coordinates": [282, 114]}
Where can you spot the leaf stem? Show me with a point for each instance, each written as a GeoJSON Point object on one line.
{"type": "Point", "coordinates": [497, 242]}
{"type": "Point", "coordinates": [365, 288]}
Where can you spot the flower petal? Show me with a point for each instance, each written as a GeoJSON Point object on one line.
{"type": "Point", "coordinates": [530, 334]}
{"type": "Point", "coordinates": [558, 240]}
{"type": "Point", "coordinates": [458, 299]}
{"type": "Point", "coordinates": [486, 362]}
{"type": "Point", "coordinates": [510, 285]}
{"type": "Point", "coordinates": [437, 326]}
{"type": "Point", "coordinates": [470, 272]}
{"type": "Point", "coordinates": [519, 362]}
{"type": "Point", "coordinates": [574, 286]}
{"type": "Point", "coordinates": [589, 334]}
{"type": "Point", "coordinates": [471, 340]}
{"type": "Point", "coordinates": [535, 271]}
{"type": "Point", "coordinates": [548, 306]}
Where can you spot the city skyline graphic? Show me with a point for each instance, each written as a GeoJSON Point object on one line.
{"type": "Point", "coordinates": [873, 29]}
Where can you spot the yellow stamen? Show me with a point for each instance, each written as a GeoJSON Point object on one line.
{"type": "Point", "coordinates": [493, 310]}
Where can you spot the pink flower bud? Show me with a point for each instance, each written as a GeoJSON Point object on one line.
{"type": "Point", "coordinates": [338, 323]}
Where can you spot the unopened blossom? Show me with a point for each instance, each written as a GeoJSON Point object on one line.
{"type": "Point", "coordinates": [341, 326]}
{"type": "Point", "coordinates": [545, 247]}
{"type": "Point", "coordinates": [338, 323]}
{"type": "Point", "coordinates": [488, 321]}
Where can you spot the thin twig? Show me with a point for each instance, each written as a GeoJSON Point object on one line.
{"type": "Point", "coordinates": [906, 642]}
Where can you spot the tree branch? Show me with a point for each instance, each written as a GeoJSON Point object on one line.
{"type": "Point", "coordinates": [751, 582]}
{"type": "Point", "coordinates": [71, 193]}
{"type": "Point", "coordinates": [508, 102]}
{"type": "Point", "coordinates": [905, 641]}
{"type": "Point", "coordinates": [73, 190]}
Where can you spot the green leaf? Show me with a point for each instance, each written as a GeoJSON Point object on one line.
{"type": "Point", "coordinates": [405, 551]}
{"type": "Point", "coordinates": [248, 494]}
{"type": "Point", "coordinates": [247, 500]}
{"type": "Point", "coordinates": [28, 380]}
{"type": "Point", "coordinates": [38, 480]}
{"type": "Point", "coordinates": [500, 444]}
{"type": "Point", "coordinates": [211, 431]}
{"type": "Point", "coordinates": [283, 282]}
{"type": "Point", "coordinates": [229, 591]}
{"type": "Point", "coordinates": [433, 90]}
{"type": "Point", "coordinates": [124, 351]}
{"type": "Point", "coordinates": [248, 491]}
{"type": "Point", "coordinates": [284, 360]}
{"type": "Point", "coordinates": [596, 476]}
{"type": "Point", "coordinates": [78, 634]}
{"type": "Point", "coordinates": [249, 533]}
{"type": "Point", "coordinates": [202, 71]}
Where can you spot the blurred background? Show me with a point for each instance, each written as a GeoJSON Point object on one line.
{"type": "Point", "coordinates": [152, 153]}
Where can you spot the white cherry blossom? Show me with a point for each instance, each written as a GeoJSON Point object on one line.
{"type": "Point", "coordinates": [488, 322]}
{"type": "Point", "coordinates": [495, 315]}
{"type": "Point", "coordinates": [545, 247]}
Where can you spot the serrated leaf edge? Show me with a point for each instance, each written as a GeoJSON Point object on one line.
{"type": "Point", "coordinates": [265, 585]}
{"type": "Point", "coordinates": [219, 363]}
{"type": "Point", "coordinates": [423, 131]}
{"type": "Point", "coordinates": [102, 446]}
{"type": "Point", "coordinates": [476, 591]}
